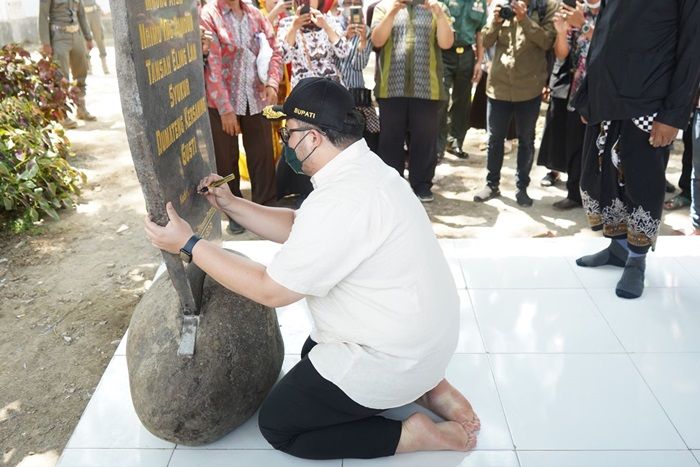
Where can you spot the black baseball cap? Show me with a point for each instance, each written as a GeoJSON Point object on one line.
{"type": "Point", "coordinates": [320, 101]}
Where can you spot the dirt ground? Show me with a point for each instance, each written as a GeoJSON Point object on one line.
{"type": "Point", "coordinates": [67, 292]}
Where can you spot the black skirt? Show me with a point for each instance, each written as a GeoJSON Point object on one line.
{"type": "Point", "coordinates": [553, 147]}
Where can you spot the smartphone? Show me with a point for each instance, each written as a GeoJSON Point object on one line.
{"type": "Point", "coordinates": [418, 2]}
{"type": "Point", "coordinates": [356, 14]}
{"type": "Point", "coordinates": [305, 6]}
{"type": "Point", "coordinates": [571, 3]}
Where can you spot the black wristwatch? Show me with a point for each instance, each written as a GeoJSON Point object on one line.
{"type": "Point", "coordinates": [186, 251]}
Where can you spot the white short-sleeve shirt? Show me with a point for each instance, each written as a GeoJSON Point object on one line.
{"type": "Point", "coordinates": [383, 302]}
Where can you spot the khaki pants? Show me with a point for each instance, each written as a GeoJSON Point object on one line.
{"type": "Point", "coordinates": [98, 33]}
{"type": "Point", "coordinates": [70, 53]}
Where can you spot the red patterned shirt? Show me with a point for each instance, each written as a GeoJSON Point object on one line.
{"type": "Point", "coordinates": [231, 76]}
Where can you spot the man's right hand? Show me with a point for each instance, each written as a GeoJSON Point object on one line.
{"type": "Point", "coordinates": [47, 50]}
{"type": "Point", "coordinates": [301, 20]}
{"type": "Point", "coordinates": [219, 197]}
{"type": "Point", "coordinates": [229, 123]}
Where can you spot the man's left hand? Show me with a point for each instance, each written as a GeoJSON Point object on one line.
{"type": "Point", "coordinates": [173, 236]}
{"type": "Point", "coordinates": [662, 135]}
{"type": "Point", "coordinates": [520, 10]}
{"type": "Point", "coordinates": [270, 95]}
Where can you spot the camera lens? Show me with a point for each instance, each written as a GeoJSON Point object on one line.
{"type": "Point", "coordinates": [506, 12]}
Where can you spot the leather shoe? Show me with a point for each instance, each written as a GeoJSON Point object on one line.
{"type": "Point", "coordinates": [566, 204]}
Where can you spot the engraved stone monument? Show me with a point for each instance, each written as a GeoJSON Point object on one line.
{"type": "Point", "coordinates": [201, 359]}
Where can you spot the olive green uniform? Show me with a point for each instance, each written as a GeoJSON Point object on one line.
{"type": "Point", "coordinates": [94, 17]}
{"type": "Point", "coordinates": [63, 24]}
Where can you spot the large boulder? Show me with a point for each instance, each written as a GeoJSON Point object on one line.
{"type": "Point", "coordinates": [197, 400]}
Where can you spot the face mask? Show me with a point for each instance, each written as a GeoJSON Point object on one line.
{"type": "Point", "coordinates": [290, 157]}
{"type": "Point", "coordinates": [591, 4]}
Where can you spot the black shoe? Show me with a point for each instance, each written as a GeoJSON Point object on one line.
{"type": "Point", "coordinates": [669, 187]}
{"type": "Point", "coordinates": [486, 194]}
{"type": "Point", "coordinates": [550, 179]}
{"type": "Point", "coordinates": [425, 196]}
{"type": "Point", "coordinates": [453, 147]}
{"type": "Point", "coordinates": [566, 204]}
{"type": "Point", "coordinates": [523, 199]}
{"type": "Point", "coordinates": [234, 228]}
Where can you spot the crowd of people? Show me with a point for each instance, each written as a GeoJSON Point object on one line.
{"type": "Point", "coordinates": [441, 69]}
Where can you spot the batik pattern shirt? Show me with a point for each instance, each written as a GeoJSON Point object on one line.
{"type": "Point", "coordinates": [231, 77]}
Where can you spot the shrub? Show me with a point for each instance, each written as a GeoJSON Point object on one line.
{"type": "Point", "coordinates": [35, 176]}
{"type": "Point", "coordinates": [39, 81]}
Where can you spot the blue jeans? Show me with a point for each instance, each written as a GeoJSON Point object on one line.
{"type": "Point", "coordinates": [499, 114]}
{"type": "Point", "coordinates": [695, 178]}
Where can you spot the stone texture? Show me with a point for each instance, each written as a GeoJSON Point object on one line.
{"type": "Point", "coordinates": [238, 357]}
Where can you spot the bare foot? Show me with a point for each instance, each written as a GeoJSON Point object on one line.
{"type": "Point", "coordinates": [450, 404]}
{"type": "Point", "coordinates": [420, 433]}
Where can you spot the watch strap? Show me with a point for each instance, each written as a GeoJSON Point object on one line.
{"type": "Point", "coordinates": [187, 249]}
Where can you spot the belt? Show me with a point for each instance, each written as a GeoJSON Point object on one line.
{"type": "Point", "coordinates": [459, 50]}
{"type": "Point", "coordinates": [70, 28]}
{"type": "Point", "coordinates": [90, 9]}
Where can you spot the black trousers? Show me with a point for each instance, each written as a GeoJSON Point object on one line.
{"type": "Point", "coordinates": [686, 162]}
{"type": "Point", "coordinates": [307, 416]}
{"type": "Point", "coordinates": [458, 70]}
{"type": "Point", "coordinates": [400, 116]}
{"type": "Point", "coordinates": [257, 139]}
{"type": "Point", "coordinates": [499, 114]}
{"type": "Point", "coordinates": [575, 133]}
{"type": "Point", "coordinates": [623, 183]}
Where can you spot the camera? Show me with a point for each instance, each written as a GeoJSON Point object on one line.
{"type": "Point", "coordinates": [417, 2]}
{"type": "Point", "coordinates": [506, 12]}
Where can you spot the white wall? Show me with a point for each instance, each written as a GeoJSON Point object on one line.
{"type": "Point", "coordinates": [13, 9]}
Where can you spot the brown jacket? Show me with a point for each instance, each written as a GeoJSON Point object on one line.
{"type": "Point", "coordinates": [519, 68]}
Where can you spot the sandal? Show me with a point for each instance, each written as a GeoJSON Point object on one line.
{"type": "Point", "coordinates": [677, 202]}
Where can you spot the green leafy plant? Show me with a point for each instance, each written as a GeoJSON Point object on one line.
{"type": "Point", "coordinates": [35, 176]}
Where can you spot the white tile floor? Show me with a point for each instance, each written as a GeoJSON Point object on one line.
{"type": "Point", "coordinates": [561, 372]}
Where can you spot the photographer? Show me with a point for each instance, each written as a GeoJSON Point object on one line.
{"type": "Point", "coordinates": [358, 34]}
{"type": "Point", "coordinates": [410, 88]}
{"type": "Point", "coordinates": [523, 32]}
{"type": "Point", "coordinates": [311, 42]}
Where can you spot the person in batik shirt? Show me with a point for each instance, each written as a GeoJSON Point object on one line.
{"type": "Point", "coordinates": [236, 96]}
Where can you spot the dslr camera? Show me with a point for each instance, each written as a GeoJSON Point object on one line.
{"type": "Point", "coordinates": [506, 12]}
